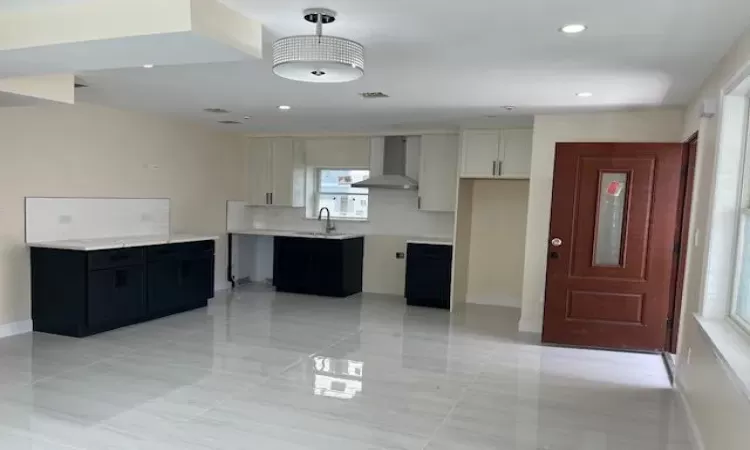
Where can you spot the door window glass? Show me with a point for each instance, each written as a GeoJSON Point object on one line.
{"type": "Point", "coordinates": [610, 218]}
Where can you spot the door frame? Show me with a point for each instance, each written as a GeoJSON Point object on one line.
{"type": "Point", "coordinates": [689, 160]}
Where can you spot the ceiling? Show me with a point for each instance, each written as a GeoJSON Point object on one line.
{"type": "Point", "coordinates": [446, 63]}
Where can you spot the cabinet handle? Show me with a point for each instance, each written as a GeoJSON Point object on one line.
{"type": "Point", "coordinates": [419, 202]}
{"type": "Point", "coordinates": [499, 168]}
{"type": "Point", "coordinates": [266, 198]}
{"type": "Point", "coordinates": [494, 166]}
{"type": "Point", "coordinates": [270, 202]}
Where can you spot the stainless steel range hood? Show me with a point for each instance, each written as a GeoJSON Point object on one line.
{"type": "Point", "coordinates": [394, 168]}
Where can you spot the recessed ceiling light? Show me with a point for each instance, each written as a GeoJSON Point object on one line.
{"type": "Point", "coordinates": [573, 28]}
{"type": "Point", "coordinates": [148, 66]}
{"type": "Point", "coordinates": [247, 117]}
{"type": "Point", "coordinates": [509, 108]}
{"type": "Point", "coordinates": [584, 94]}
{"type": "Point", "coordinates": [285, 107]}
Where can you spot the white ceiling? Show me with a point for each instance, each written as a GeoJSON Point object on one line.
{"type": "Point", "coordinates": [446, 63]}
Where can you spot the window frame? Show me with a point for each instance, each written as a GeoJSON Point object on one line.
{"type": "Point", "coordinates": [315, 200]}
{"type": "Point", "coordinates": [742, 213]}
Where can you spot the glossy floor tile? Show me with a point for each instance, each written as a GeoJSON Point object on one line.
{"type": "Point", "coordinates": [260, 370]}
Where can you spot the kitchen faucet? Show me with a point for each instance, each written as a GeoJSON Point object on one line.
{"type": "Point", "coordinates": [330, 226]}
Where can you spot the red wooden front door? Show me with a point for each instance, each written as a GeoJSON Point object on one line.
{"type": "Point", "coordinates": [612, 240]}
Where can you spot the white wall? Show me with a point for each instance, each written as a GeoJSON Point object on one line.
{"type": "Point", "coordinates": [498, 229]}
{"type": "Point", "coordinates": [632, 126]}
{"type": "Point", "coordinates": [87, 151]}
{"type": "Point", "coordinates": [721, 411]}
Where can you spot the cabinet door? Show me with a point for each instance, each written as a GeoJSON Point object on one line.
{"type": "Point", "coordinates": [480, 152]}
{"type": "Point", "coordinates": [115, 297]}
{"type": "Point", "coordinates": [259, 172]}
{"type": "Point", "coordinates": [287, 173]}
{"type": "Point", "coordinates": [197, 280]}
{"type": "Point", "coordinates": [428, 275]}
{"type": "Point", "coordinates": [325, 267]}
{"type": "Point", "coordinates": [164, 288]}
{"type": "Point", "coordinates": [517, 148]}
{"type": "Point", "coordinates": [290, 264]}
{"type": "Point", "coordinates": [438, 173]}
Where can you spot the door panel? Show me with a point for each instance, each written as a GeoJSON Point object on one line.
{"type": "Point", "coordinates": [612, 236]}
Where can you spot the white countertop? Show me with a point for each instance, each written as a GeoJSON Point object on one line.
{"type": "Point", "coordinates": [122, 242]}
{"type": "Point", "coordinates": [431, 241]}
{"type": "Point", "coordinates": [298, 234]}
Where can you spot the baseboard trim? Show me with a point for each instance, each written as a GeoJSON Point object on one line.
{"type": "Point", "coordinates": [12, 329]}
{"type": "Point", "coordinates": [218, 287]}
{"type": "Point", "coordinates": [529, 326]}
{"type": "Point", "coordinates": [695, 432]}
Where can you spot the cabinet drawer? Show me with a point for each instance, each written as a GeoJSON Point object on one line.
{"type": "Point", "coordinates": [180, 251]}
{"type": "Point", "coordinates": [121, 257]}
{"type": "Point", "coordinates": [430, 252]}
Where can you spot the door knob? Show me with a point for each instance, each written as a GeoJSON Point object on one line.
{"type": "Point", "coordinates": [556, 242]}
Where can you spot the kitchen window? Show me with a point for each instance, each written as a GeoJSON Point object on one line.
{"type": "Point", "coordinates": [333, 190]}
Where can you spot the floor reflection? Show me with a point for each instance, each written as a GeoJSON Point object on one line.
{"type": "Point", "coordinates": [337, 378]}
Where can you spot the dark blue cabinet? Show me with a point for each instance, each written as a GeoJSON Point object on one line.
{"type": "Point", "coordinates": [331, 267]}
{"type": "Point", "coordinates": [79, 293]}
{"type": "Point", "coordinates": [115, 297]}
{"type": "Point", "coordinates": [428, 275]}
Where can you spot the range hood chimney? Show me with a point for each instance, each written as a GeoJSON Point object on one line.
{"type": "Point", "coordinates": [394, 168]}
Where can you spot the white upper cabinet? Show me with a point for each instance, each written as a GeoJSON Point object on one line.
{"type": "Point", "coordinates": [259, 171]}
{"type": "Point", "coordinates": [517, 148]}
{"type": "Point", "coordinates": [438, 172]}
{"type": "Point", "coordinates": [496, 153]}
{"type": "Point", "coordinates": [480, 151]}
{"type": "Point", "coordinates": [276, 172]}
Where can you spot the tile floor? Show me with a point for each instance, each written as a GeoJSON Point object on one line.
{"type": "Point", "coordinates": [257, 370]}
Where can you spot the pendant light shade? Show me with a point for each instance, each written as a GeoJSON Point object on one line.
{"type": "Point", "coordinates": [317, 58]}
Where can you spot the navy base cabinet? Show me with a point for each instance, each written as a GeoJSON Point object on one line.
{"type": "Point", "coordinates": [330, 267]}
{"type": "Point", "coordinates": [428, 275]}
{"type": "Point", "coordinates": [80, 293]}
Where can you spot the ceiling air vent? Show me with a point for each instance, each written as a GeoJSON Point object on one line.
{"type": "Point", "coordinates": [369, 95]}
{"type": "Point", "coordinates": [230, 122]}
{"type": "Point", "coordinates": [216, 110]}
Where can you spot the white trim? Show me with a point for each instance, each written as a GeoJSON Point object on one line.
{"type": "Point", "coordinates": [222, 286]}
{"type": "Point", "coordinates": [732, 349]}
{"type": "Point", "coordinates": [12, 329]}
{"type": "Point", "coordinates": [696, 439]}
{"type": "Point", "coordinates": [529, 326]}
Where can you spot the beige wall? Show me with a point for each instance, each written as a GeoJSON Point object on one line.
{"type": "Point", "coordinates": [462, 243]}
{"type": "Point", "coordinates": [721, 411]}
{"type": "Point", "coordinates": [87, 151]}
{"type": "Point", "coordinates": [498, 230]}
{"type": "Point", "coordinates": [632, 126]}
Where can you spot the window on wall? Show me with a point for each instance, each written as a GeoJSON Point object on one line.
{"type": "Point", "coordinates": [741, 307]}
{"type": "Point", "coordinates": [333, 190]}
{"type": "Point", "coordinates": [740, 311]}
